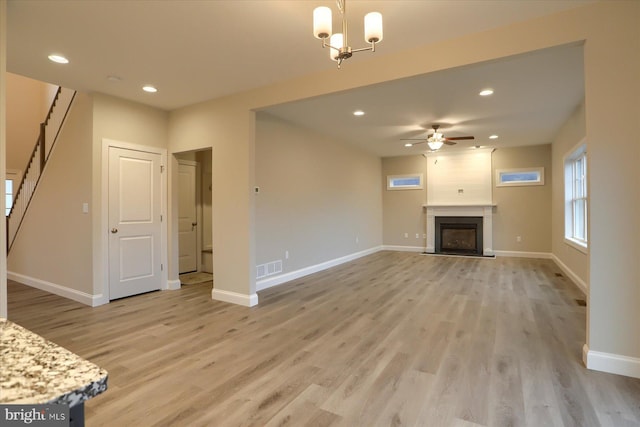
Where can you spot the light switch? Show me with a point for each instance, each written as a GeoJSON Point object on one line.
{"type": "Point", "coordinates": [85, 208]}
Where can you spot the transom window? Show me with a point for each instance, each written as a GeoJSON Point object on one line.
{"type": "Point", "coordinates": [405, 182]}
{"type": "Point", "coordinates": [518, 177]}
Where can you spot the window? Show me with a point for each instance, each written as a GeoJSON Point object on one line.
{"type": "Point", "coordinates": [518, 177]}
{"type": "Point", "coordinates": [575, 179]}
{"type": "Point", "coordinates": [10, 187]}
{"type": "Point", "coordinates": [404, 182]}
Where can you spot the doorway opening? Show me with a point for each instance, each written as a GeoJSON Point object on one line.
{"type": "Point", "coordinates": [195, 236]}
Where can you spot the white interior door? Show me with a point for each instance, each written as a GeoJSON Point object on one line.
{"type": "Point", "coordinates": [134, 222]}
{"type": "Point", "coordinates": [187, 217]}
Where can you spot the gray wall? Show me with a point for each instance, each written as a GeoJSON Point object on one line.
{"type": "Point", "coordinates": [317, 196]}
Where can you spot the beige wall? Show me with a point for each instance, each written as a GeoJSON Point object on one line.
{"type": "Point", "coordinates": [570, 136]}
{"type": "Point", "coordinates": [402, 209]}
{"type": "Point", "coordinates": [522, 211]}
{"type": "Point", "coordinates": [317, 196]}
{"type": "Point", "coordinates": [27, 106]}
{"type": "Point", "coordinates": [610, 32]}
{"type": "Point", "coordinates": [54, 242]}
{"type": "Point", "coordinates": [228, 127]}
{"type": "Point", "coordinates": [124, 121]}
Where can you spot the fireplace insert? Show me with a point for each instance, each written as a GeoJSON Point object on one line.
{"type": "Point", "coordinates": [458, 235]}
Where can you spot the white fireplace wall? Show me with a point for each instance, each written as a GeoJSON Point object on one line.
{"type": "Point", "coordinates": [459, 177]}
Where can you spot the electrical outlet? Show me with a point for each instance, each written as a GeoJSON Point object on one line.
{"type": "Point", "coordinates": [286, 254]}
{"type": "Point", "coordinates": [357, 240]}
{"type": "Point", "coordinates": [518, 239]}
{"type": "Point", "coordinates": [406, 235]}
{"type": "Point", "coordinates": [417, 235]}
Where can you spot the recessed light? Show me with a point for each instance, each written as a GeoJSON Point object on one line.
{"type": "Point", "coordinates": [475, 147]}
{"type": "Point", "coordinates": [149, 88]}
{"type": "Point", "coordinates": [58, 59]}
{"type": "Point", "coordinates": [114, 79]}
{"type": "Point", "coordinates": [358, 113]}
{"type": "Point", "coordinates": [486, 92]}
{"type": "Point", "coordinates": [408, 144]}
{"type": "Point", "coordinates": [493, 137]}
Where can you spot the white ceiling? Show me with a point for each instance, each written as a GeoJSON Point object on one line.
{"type": "Point", "coordinates": [534, 94]}
{"type": "Point", "coordinates": [198, 50]}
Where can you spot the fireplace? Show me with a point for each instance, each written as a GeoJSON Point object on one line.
{"type": "Point", "coordinates": [484, 228]}
{"type": "Point", "coordinates": [458, 235]}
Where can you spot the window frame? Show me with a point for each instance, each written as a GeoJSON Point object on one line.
{"type": "Point", "coordinates": [392, 178]}
{"type": "Point", "coordinates": [14, 176]}
{"type": "Point", "coordinates": [576, 194]}
{"type": "Point", "coordinates": [501, 172]}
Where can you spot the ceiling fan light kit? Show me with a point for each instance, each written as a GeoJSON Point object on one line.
{"type": "Point", "coordinates": [338, 44]}
{"type": "Point", "coordinates": [436, 140]}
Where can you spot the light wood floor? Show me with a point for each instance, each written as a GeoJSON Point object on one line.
{"type": "Point", "coordinates": [392, 339]}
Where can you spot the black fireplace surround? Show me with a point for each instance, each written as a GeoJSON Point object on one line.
{"type": "Point", "coordinates": [458, 235]}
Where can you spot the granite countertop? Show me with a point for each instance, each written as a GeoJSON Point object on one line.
{"type": "Point", "coordinates": [34, 370]}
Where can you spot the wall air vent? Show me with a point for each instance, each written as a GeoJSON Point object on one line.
{"type": "Point", "coordinates": [268, 269]}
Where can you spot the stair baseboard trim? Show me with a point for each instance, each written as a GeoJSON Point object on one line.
{"type": "Point", "coordinates": [573, 276]}
{"type": "Point", "coordinates": [235, 297]}
{"type": "Point", "coordinates": [292, 275]}
{"type": "Point", "coordinates": [611, 363]}
{"type": "Point", "coordinates": [173, 285]}
{"type": "Point", "coordinates": [53, 288]}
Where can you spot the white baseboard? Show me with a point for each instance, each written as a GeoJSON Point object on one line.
{"type": "Point", "coordinates": [573, 276]}
{"type": "Point", "coordinates": [403, 248]}
{"type": "Point", "coordinates": [234, 297]}
{"type": "Point", "coordinates": [63, 291]}
{"type": "Point", "coordinates": [611, 363]}
{"type": "Point", "coordinates": [287, 277]}
{"type": "Point", "coordinates": [521, 254]}
{"type": "Point", "coordinates": [173, 285]}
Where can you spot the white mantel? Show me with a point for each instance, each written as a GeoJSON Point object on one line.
{"type": "Point", "coordinates": [483, 210]}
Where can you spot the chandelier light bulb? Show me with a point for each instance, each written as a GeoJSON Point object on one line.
{"type": "Point", "coordinates": [373, 27]}
{"type": "Point", "coordinates": [322, 22]}
{"type": "Point", "coordinates": [335, 42]}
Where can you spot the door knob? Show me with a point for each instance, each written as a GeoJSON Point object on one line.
{"type": "Point", "coordinates": [193, 225]}
{"type": "Point", "coordinates": [114, 230]}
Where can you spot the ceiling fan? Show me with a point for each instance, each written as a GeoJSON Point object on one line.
{"type": "Point", "coordinates": [436, 139]}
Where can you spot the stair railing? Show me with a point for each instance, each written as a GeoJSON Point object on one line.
{"type": "Point", "coordinates": [49, 131]}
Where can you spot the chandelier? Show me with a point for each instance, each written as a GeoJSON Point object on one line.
{"type": "Point", "coordinates": [338, 45]}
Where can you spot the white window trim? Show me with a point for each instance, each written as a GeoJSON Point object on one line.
{"type": "Point", "coordinates": [574, 153]}
{"type": "Point", "coordinates": [14, 175]}
{"type": "Point", "coordinates": [500, 183]}
{"type": "Point", "coordinates": [420, 186]}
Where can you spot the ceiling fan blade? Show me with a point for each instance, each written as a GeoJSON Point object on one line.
{"type": "Point", "coordinates": [413, 139]}
{"type": "Point", "coordinates": [447, 142]}
{"type": "Point", "coordinates": [459, 138]}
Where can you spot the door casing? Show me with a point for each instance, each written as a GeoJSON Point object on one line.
{"type": "Point", "coordinates": [101, 230]}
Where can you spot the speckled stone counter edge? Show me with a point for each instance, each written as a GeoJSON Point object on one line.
{"type": "Point", "coordinates": [35, 370]}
